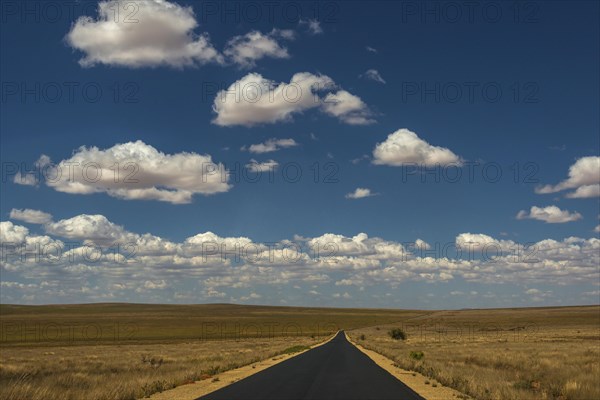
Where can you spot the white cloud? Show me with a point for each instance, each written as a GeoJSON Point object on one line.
{"type": "Point", "coordinates": [155, 284]}
{"type": "Point", "coordinates": [584, 192]}
{"type": "Point", "coordinates": [271, 145]}
{"type": "Point", "coordinates": [360, 193]}
{"type": "Point", "coordinates": [348, 108]}
{"type": "Point", "coordinates": [266, 166]}
{"type": "Point", "coordinates": [550, 214]}
{"type": "Point", "coordinates": [10, 233]}
{"type": "Point", "coordinates": [93, 229]}
{"type": "Point", "coordinates": [349, 282]}
{"type": "Point", "coordinates": [538, 295]}
{"type": "Point", "coordinates": [216, 262]}
{"type": "Point", "coordinates": [597, 228]}
{"type": "Point", "coordinates": [357, 160]}
{"type": "Point", "coordinates": [25, 179]}
{"type": "Point", "coordinates": [405, 147]}
{"type": "Point", "coordinates": [137, 171]}
{"type": "Point", "coordinates": [30, 216]}
{"type": "Point", "coordinates": [33, 178]}
{"type": "Point", "coordinates": [254, 100]}
{"type": "Point", "coordinates": [374, 75]}
{"type": "Point", "coordinates": [211, 292]}
{"type": "Point", "coordinates": [141, 33]}
{"type": "Point", "coordinates": [371, 49]}
{"type": "Point", "coordinates": [584, 176]}
{"type": "Point", "coordinates": [422, 245]}
{"type": "Point", "coordinates": [247, 49]}
{"type": "Point", "coordinates": [474, 241]}
{"type": "Point", "coordinates": [251, 296]}
{"type": "Point", "coordinates": [313, 26]}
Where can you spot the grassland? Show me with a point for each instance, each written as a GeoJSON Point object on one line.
{"type": "Point", "coordinates": [102, 323]}
{"type": "Point", "coordinates": [127, 351]}
{"type": "Point", "coordinates": [520, 354]}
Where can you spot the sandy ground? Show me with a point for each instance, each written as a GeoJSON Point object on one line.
{"type": "Point", "coordinates": [413, 380]}
{"type": "Point", "coordinates": [204, 387]}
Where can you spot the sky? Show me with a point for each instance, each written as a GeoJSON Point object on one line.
{"type": "Point", "coordinates": [334, 153]}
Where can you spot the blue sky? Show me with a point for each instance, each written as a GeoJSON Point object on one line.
{"type": "Point", "coordinates": [404, 92]}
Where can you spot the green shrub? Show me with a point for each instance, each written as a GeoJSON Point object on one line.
{"type": "Point", "coordinates": [417, 355]}
{"type": "Point", "coordinates": [397, 334]}
{"type": "Point", "coordinates": [362, 337]}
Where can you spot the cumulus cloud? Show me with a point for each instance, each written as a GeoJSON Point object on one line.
{"type": "Point", "coordinates": [584, 192]}
{"type": "Point", "coordinates": [30, 216]}
{"type": "Point", "coordinates": [266, 166]}
{"type": "Point", "coordinates": [404, 147]}
{"type": "Point", "coordinates": [91, 229]}
{"type": "Point", "coordinates": [374, 75]}
{"type": "Point", "coordinates": [271, 145]}
{"type": "Point", "coordinates": [254, 100]}
{"type": "Point", "coordinates": [219, 263]}
{"type": "Point", "coordinates": [474, 241]}
{"type": "Point", "coordinates": [550, 214]}
{"type": "Point", "coordinates": [141, 33]}
{"type": "Point", "coordinates": [25, 179]}
{"type": "Point", "coordinates": [360, 193]}
{"type": "Point", "coordinates": [137, 171]}
{"type": "Point", "coordinates": [348, 108]}
{"type": "Point", "coordinates": [584, 177]}
{"type": "Point", "coordinates": [245, 50]}
{"type": "Point", "coordinates": [11, 233]}
{"type": "Point", "coordinates": [422, 245]}
{"type": "Point", "coordinates": [33, 178]}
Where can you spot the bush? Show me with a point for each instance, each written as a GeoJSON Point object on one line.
{"type": "Point", "coordinates": [362, 337]}
{"type": "Point", "coordinates": [397, 334]}
{"type": "Point", "coordinates": [417, 355]}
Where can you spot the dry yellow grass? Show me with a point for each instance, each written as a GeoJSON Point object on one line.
{"type": "Point", "coordinates": [520, 354]}
{"type": "Point", "coordinates": [125, 371]}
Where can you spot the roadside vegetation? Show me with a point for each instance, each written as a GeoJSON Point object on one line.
{"type": "Point", "coordinates": [505, 354]}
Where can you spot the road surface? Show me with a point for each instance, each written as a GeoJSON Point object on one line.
{"type": "Point", "coordinates": [335, 370]}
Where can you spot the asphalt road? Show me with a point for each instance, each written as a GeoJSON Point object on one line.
{"type": "Point", "coordinates": [335, 370]}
